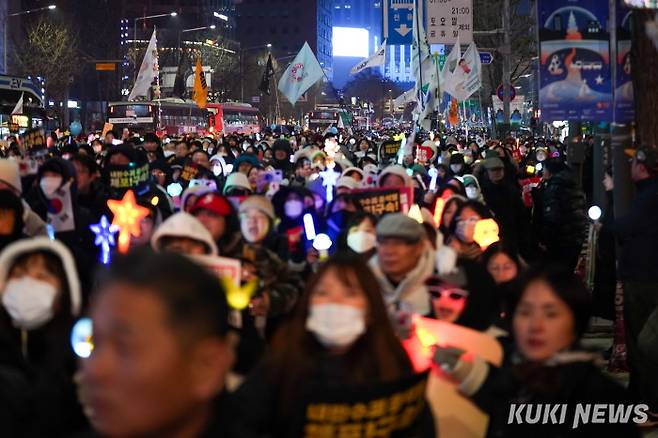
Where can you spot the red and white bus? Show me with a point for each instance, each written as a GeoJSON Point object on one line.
{"type": "Point", "coordinates": [234, 117]}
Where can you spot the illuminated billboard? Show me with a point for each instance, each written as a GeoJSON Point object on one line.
{"type": "Point", "coordinates": [350, 41]}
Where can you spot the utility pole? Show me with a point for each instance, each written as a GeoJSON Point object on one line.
{"type": "Point", "coordinates": [507, 61]}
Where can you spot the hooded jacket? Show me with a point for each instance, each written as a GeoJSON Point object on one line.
{"type": "Point", "coordinates": [183, 225]}
{"type": "Point", "coordinates": [411, 292]}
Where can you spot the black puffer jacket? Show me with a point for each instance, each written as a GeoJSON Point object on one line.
{"type": "Point", "coordinates": [572, 380]}
{"type": "Point", "coordinates": [563, 218]}
{"type": "Point", "coordinates": [638, 234]}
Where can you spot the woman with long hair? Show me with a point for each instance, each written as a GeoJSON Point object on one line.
{"type": "Point", "coordinates": [339, 337]}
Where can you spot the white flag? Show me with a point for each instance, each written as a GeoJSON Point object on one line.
{"type": "Point", "coordinates": [450, 65]}
{"type": "Point", "coordinates": [301, 74]}
{"type": "Point", "coordinates": [467, 77]}
{"type": "Point", "coordinates": [425, 71]}
{"type": "Point", "coordinates": [18, 109]}
{"type": "Point", "coordinates": [148, 72]}
{"type": "Point", "coordinates": [376, 59]}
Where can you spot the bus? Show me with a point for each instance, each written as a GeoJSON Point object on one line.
{"type": "Point", "coordinates": [324, 117]}
{"type": "Point", "coordinates": [234, 117]}
{"type": "Point", "coordinates": [33, 114]}
{"type": "Point", "coordinates": [176, 117]}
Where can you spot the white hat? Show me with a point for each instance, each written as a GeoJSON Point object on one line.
{"type": "Point", "coordinates": [396, 170]}
{"type": "Point", "coordinates": [237, 179]}
{"type": "Point", "coordinates": [34, 244]}
{"type": "Point", "coordinates": [348, 182]}
{"type": "Point", "coordinates": [183, 225]}
{"type": "Point", "coordinates": [9, 174]}
{"type": "Point", "coordinates": [354, 169]}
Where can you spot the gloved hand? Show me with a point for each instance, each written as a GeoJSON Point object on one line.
{"type": "Point", "coordinates": [447, 358]}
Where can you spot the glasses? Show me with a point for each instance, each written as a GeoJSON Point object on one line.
{"type": "Point", "coordinates": [452, 293]}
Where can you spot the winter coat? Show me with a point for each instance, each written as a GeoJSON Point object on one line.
{"type": "Point", "coordinates": [638, 235]}
{"type": "Point", "coordinates": [571, 378]}
{"type": "Point", "coordinates": [411, 293]}
{"type": "Point", "coordinates": [283, 288]}
{"type": "Point", "coordinates": [563, 218]}
{"type": "Point", "coordinates": [511, 215]}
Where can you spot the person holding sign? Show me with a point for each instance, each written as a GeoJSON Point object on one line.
{"type": "Point", "coordinates": [340, 338]}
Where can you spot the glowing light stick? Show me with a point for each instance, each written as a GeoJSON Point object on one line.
{"type": "Point", "coordinates": [486, 233]}
{"type": "Point", "coordinates": [434, 174]}
{"type": "Point", "coordinates": [239, 297]}
{"type": "Point", "coordinates": [81, 338]}
{"type": "Point", "coordinates": [438, 211]}
{"type": "Point", "coordinates": [309, 226]}
{"type": "Point", "coordinates": [329, 180]}
{"type": "Point", "coordinates": [322, 243]}
{"type": "Point", "coordinates": [127, 216]}
{"type": "Point", "coordinates": [104, 232]}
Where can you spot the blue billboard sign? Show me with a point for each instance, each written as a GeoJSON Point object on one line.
{"type": "Point", "coordinates": [398, 21]}
{"type": "Point", "coordinates": [574, 70]}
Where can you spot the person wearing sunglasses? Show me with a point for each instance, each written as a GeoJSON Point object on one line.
{"type": "Point", "coordinates": [466, 296]}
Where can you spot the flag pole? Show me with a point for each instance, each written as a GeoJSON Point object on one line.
{"type": "Point", "coordinates": [157, 82]}
{"type": "Point", "coordinates": [277, 108]}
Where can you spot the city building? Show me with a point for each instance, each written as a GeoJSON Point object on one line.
{"type": "Point", "coordinates": [286, 25]}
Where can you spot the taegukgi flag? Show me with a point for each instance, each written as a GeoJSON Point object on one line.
{"type": "Point", "coordinates": [376, 59]}
{"type": "Point", "coordinates": [301, 74]}
{"type": "Point", "coordinates": [148, 71]}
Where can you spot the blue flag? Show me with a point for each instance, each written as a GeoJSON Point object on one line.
{"type": "Point", "coordinates": [301, 74]}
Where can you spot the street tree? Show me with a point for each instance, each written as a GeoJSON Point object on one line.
{"type": "Point", "coordinates": [487, 18]}
{"type": "Point", "coordinates": [371, 86]}
{"type": "Point", "coordinates": [644, 64]}
{"type": "Point", "coordinates": [50, 50]}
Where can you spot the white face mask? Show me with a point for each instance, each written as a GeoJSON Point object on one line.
{"type": "Point", "coordinates": [472, 192]}
{"type": "Point", "coordinates": [361, 241]}
{"type": "Point", "coordinates": [29, 302]}
{"type": "Point", "coordinates": [465, 230]}
{"type": "Point", "coordinates": [336, 325]}
{"type": "Point", "coordinates": [168, 154]}
{"type": "Point", "coordinates": [455, 167]}
{"type": "Point", "coordinates": [293, 209]}
{"type": "Point", "coordinates": [50, 184]}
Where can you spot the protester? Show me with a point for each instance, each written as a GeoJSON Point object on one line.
{"type": "Point", "coordinates": [561, 222]}
{"type": "Point", "coordinates": [161, 353]}
{"type": "Point", "coordinates": [403, 262]}
{"type": "Point", "coordinates": [41, 296]}
{"type": "Point", "coordinates": [10, 179]}
{"type": "Point", "coordinates": [638, 237]}
{"type": "Point", "coordinates": [547, 365]}
{"type": "Point", "coordinates": [339, 337]}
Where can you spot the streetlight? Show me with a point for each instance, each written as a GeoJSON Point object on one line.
{"type": "Point", "coordinates": [146, 17]}
{"type": "Point", "coordinates": [220, 16]}
{"type": "Point", "coordinates": [16, 14]}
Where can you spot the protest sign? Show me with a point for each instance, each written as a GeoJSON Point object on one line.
{"type": "Point", "coordinates": [381, 201]}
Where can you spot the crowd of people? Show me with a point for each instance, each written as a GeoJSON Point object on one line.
{"type": "Point", "coordinates": [335, 283]}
